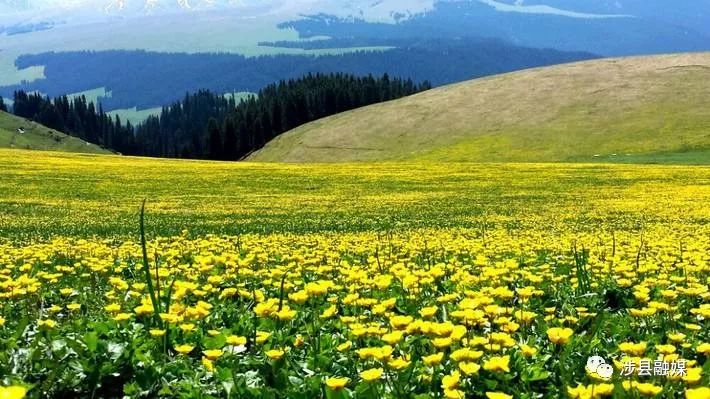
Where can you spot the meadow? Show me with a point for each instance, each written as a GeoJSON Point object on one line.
{"type": "Point", "coordinates": [38, 137]}
{"type": "Point", "coordinates": [390, 280]}
{"type": "Point", "coordinates": [619, 110]}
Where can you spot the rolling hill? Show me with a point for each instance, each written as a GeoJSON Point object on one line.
{"type": "Point", "coordinates": [38, 137]}
{"type": "Point", "coordinates": [636, 109]}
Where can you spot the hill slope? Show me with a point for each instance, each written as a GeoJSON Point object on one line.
{"type": "Point", "coordinates": [38, 137]}
{"type": "Point", "coordinates": [637, 109]}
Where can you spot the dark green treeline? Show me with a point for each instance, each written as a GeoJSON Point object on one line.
{"type": "Point", "coordinates": [206, 125]}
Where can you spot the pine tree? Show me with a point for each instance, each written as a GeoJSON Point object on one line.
{"type": "Point", "coordinates": [214, 143]}
{"type": "Point", "coordinates": [3, 107]}
{"type": "Point", "coordinates": [50, 117]}
{"type": "Point", "coordinates": [230, 140]}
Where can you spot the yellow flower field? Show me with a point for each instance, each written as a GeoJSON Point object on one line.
{"type": "Point", "coordinates": [394, 281]}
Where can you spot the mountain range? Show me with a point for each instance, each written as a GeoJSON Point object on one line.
{"type": "Point", "coordinates": [83, 11]}
{"type": "Point", "coordinates": [691, 13]}
{"type": "Point", "coordinates": [40, 39]}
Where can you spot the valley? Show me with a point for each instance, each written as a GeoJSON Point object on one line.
{"type": "Point", "coordinates": [350, 199]}
{"type": "Point", "coordinates": [388, 249]}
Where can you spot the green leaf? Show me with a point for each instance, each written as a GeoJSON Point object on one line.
{"type": "Point", "coordinates": [91, 340]}
{"type": "Point", "coordinates": [491, 384]}
{"type": "Point", "coordinates": [228, 386]}
{"type": "Point", "coordinates": [339, 394]}
{"type": "Point", "coordinates": [534, 373]}
{"type": "Point", "coordinates": [116, 350]}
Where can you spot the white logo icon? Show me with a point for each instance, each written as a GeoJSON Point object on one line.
{"type": "Point", "coordinates": [596, 365]}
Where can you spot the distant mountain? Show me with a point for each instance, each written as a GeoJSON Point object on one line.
{"type": "Point", "coordinates": [152, 79]}
{"type": "Point", "coordinates": [692, 14]}
{"type": "Point", "coordinates": [689, 14]}
{"type": "Point", "coordinates": [74, 10]}
{"type": "Point", "coordinates": [308, 30]}
{"type": "Point", "coordinates": [117, 6]}
{"type": "Point", "coordinates": [659, 27]}
{"type": "Point", "coordinates": [623, 27]}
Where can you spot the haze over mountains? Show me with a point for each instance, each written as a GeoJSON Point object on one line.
{"type": "Point", "coordinates": [91, 11]}
{"type": "Point", "coordinates": [688, 13]}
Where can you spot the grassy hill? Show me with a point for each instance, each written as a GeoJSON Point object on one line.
{"type": "Point", "coordinates": [38, 137]}
{"type": "Point", "coordinates": [638, 109]}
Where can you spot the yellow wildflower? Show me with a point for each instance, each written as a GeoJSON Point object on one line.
{"type": "Point", "coordinates": [371, 374]}
{"type": "Point", "coordinates": [398, 363]}
{"type": "Point", "coordinates": [559, 336]}
{"type": "Point", "coordinates": [184, 349]}
{"type": "Point", "coordinates": [207, 364]}
{"type": "Point", "coordinates": [72, 307]}
{"type": "Point", "coordinates": [433, 360]}
{"type": "Point", "coordinates": [13, 392]}
{"type": "Point", "coordinates": [469, 368]}
{"type": "Point", "coordinates": [454, 394]}
{"type": "Point", "coordinates": [698, 393]}
{"type": "Point", "coordinates": [631, 348]}
{"type": "Point", "coordinates": [451, 381]}
{"type": "Point", "coordinates": [528, 350]}
{"type": "Point", "coordinates": [46, 324]}
{"type": "Point", "coordinates": [497, 364]}
{"type": "Point", "coordinates": [336, 383]}
{"type": "Point", "coordinates": [275, 354]}
{"type": "Point", "coordinates": [262, 336]}
{"type": "Point", "coordinates": [344, 346]}
{"type": "Point", "coordinates": [236, 340]}
{"type": "Point", "coordinates": [498, 395]}
{"type": "Point", "coordinates": [213, 354]}
{"type": "Point", "coordinates": [157, 332]}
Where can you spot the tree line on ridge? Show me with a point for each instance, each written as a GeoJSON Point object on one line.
{"type": "Point", "coordinates": [207, 125]}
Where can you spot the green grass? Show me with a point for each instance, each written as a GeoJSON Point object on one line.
{"type": "Point", "coordinates": [689, 157]}
{"type": "Point", "coordinates": [653, 108]}
{"type": "Point", "coordinates": [134, 115]}
{"type": "Point", "coordinates": [38, 137]}
{"type": "Point", "coordinates": [92, 95]}
{"type": "Point", "coordinates": [10, 75]}
{"type": "Point", "coordinates": [46, 193]}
